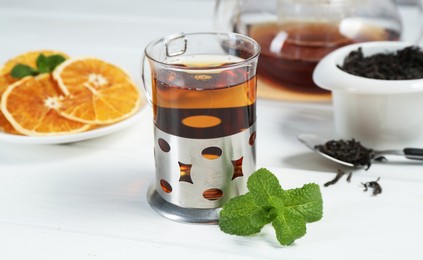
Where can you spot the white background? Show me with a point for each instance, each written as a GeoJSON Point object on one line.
{"type": "Point", "coordinates": [87, 200]}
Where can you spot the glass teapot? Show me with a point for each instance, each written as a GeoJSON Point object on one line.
{"type": "Point", "coordinates": [295, 34]}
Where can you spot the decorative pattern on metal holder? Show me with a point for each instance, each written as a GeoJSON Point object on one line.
{"type": "Point", "coordinates": [203, 173]}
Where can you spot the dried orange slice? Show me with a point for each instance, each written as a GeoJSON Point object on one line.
{"type": "Point", "coordinates": [27, 58]}
{"type": "Point", "coordinates": [31, 105]}
{"type": "Point", "coordinates": [97, 92]}
{"type": "Point", "coordinates": [5, 126]}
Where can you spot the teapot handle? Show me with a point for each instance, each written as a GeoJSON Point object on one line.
{"type": "Point", "coordinates": [225, 12]}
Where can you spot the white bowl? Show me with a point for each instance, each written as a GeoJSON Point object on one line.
{"type": "Point", "coordinates": [381, 114]}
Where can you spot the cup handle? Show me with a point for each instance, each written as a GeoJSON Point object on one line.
{"type": "Point", "coordinates": [147, 87]}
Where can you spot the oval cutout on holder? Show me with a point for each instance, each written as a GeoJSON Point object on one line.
{"type": "Point", "coordinates": [164, 146]}
{"type": "Point", "coordinates": [212, 152]}
{"type": "Point", "coordinates": [252, 139]}
{"type": "Point", "coordinates": [213, 194]}
{"type": "Point", "coordinates": [201, 121]}
{"type": "Point", "coordinates": [166, 187]}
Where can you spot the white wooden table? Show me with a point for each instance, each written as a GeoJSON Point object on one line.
{"type": "Point", "coordinates": [87, 200]}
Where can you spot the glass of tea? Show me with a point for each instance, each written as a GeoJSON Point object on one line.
{"type": "Point", "coordinates": [296, 34]}
{"type": "Point", "coordinates": [202, 88]}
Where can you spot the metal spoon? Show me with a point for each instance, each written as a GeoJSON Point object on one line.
{"type": "Point", "coordinates": [311, 141]}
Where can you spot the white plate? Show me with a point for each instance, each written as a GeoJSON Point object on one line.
{"type": "Point", "coordinates": [61, 139]}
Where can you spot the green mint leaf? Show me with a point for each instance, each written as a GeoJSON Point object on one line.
{"type": "Point", "coordinates": [42, 64]}
{"type": "Point", "coordinates": [47, 64]}
{"type": "Point", "coordinates": [241, 216]}
{"type": "Point", "coordinates": [54, 61]}
{"type": "Point", "coordinates": [20, 71]}
{"type": "Point", "coordinates": [289, 226]}
{"type": "Point", "coordinates": [306, 200]}
{"type": "Point", "coordinates": [263, 185]}
{"type": "Point", "coordinates": [266, 202]}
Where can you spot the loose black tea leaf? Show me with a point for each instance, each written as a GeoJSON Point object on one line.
{"type": "Point", "coordinates": [349, 151]}
{"type": "Point", "coordinates": [338, 176]}
{"type": "Point", "coordinates": [336, 179]}
{"type": "Point", "coordinates": [403, 64]}
{"type": "Point", "coordinates": [377, 189]}
{"type": "Point", "coordinates": [349, 177]}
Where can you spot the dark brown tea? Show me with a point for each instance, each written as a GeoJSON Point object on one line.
{"type": "Point", "coordinates": [291, 51]}
{"type": "Point", "coordinates": [195, 102]}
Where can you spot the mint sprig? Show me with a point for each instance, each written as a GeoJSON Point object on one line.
{"type": "Point", "coordinates": [45, 64]}
{"type": "Point", "coordinates": [266, 202]}
{"type": "Point", "coordinates": [21, 70]}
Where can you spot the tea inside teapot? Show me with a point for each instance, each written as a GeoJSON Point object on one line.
{"type": "Point", "coordinates": [295, 34]}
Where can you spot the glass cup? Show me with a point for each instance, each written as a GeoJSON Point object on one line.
{"type": "Point", "coordinates": [202, 87]}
